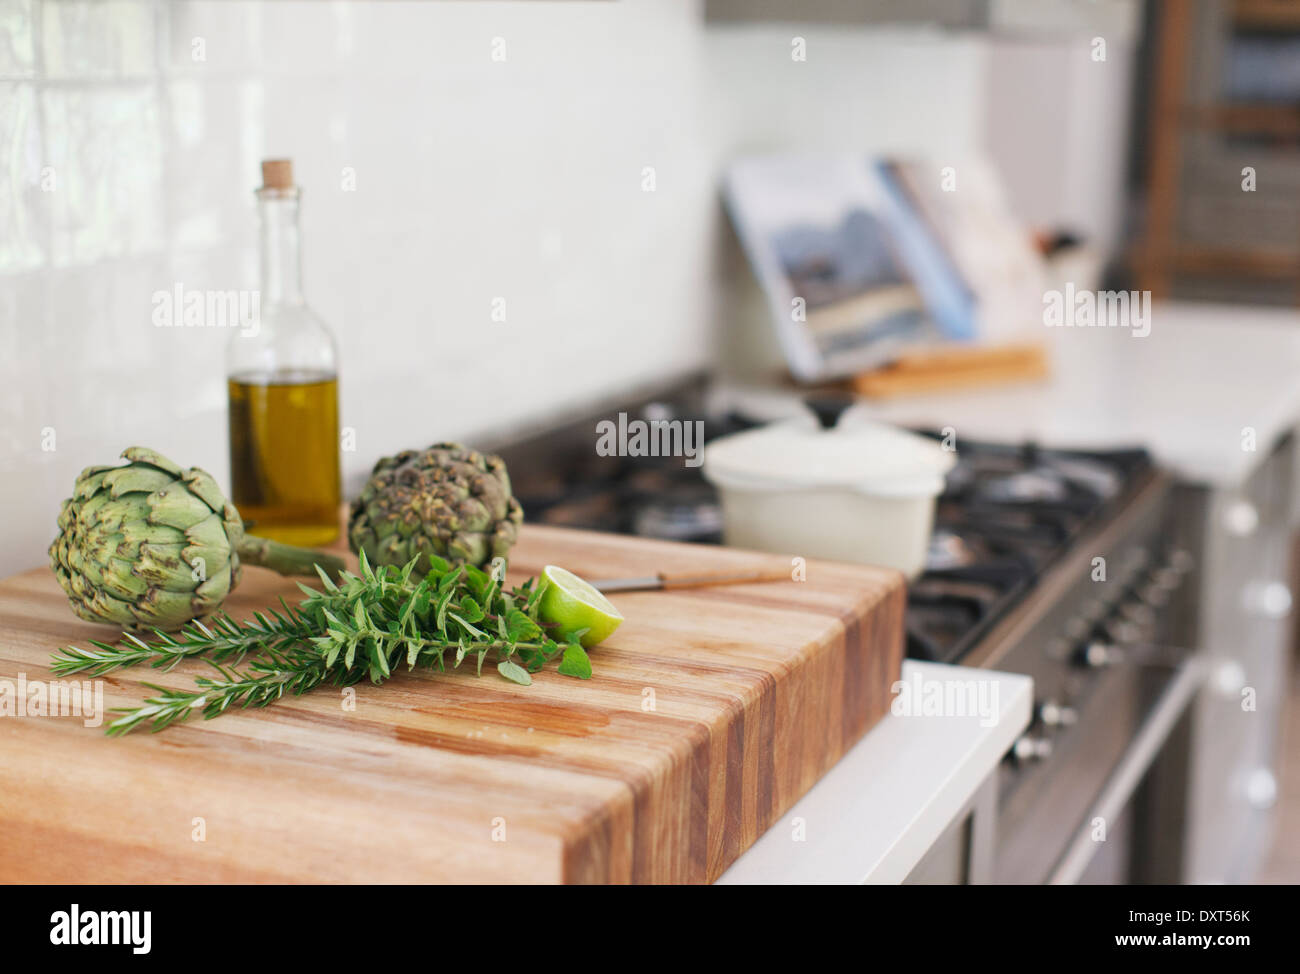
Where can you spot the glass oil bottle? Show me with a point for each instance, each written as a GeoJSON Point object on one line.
{"type": "Point", "coordinates": [282, 380]}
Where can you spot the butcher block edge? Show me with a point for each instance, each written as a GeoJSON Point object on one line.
{"type": "Point", "coordinates": [761, 688]}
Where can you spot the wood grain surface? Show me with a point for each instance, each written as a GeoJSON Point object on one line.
{"type": "Point", "coordinates": [709, 713]}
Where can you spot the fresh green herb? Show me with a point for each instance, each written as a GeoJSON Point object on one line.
{"type": "Point", "coordinates": [361, 626]}
{"type": "Point", "coordinates": [576, 662]}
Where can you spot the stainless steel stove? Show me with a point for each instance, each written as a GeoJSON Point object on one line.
{"type": "Point", "coordinates": [1063, 565]}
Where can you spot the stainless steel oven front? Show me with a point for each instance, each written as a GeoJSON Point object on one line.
{"type": "Point", "coordinates": [1092, 792]}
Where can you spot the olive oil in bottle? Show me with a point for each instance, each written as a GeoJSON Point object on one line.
{"type": "Point", "coordinates": [282, 382]}
{"type": "Point", "coordinates": [284, 455]}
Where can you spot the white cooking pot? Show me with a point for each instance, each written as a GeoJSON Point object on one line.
{"type": "Point", "coordinates": [858, 491]}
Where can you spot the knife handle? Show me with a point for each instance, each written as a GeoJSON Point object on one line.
{"type": "Point", "coordinates": [699, 580]}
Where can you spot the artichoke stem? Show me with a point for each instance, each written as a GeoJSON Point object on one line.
{"type": "Point", "coordinates": [286, 559]}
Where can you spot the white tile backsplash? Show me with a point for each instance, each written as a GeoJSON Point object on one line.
{"type": "Point", "coordinates": [98, 39]}
{"type": "Point", "coordinates": [104, 150]}
{"type": "Point", "coordinates": [17, 39]}
{"type": "Point", "coordinates": [24, 203]}
{"type": "Point", "coordinates": [213, 40]}
{"type": "Point", "coordinates": [436, 178]}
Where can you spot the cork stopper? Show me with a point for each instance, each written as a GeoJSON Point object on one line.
{"type": "Point", "coordinates": [277, 174]}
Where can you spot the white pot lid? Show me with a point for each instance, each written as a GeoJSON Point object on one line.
{"type": "Point", "coordinates": [857, 452]}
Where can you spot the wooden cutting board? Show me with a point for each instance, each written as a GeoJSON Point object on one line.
{"type": "Point", "coordinates": [709, 713]}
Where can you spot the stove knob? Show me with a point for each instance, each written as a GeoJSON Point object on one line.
{"type": "Point", "coordinates": [1030, 748]}
{"type": "Point", "coordinates": [1077, 627]}
{"type": "Point", "coordinates": [1094, 610]}
{"type": "Point", "coordinates": [1097, 654]}
{"type": "Point", "coordinates": [1137, 559]}
{"type": "Point", "coordinates": [1053, 714]}
{"type": "Point", "coordinates": [1154, 595]}
{"type": "Point", "coordinates": [1167, 579]}
{"type": "Point", "coordinates": [1161, 586]}
{"type": "Point", "coordinates": [1120, 631]}
{"type": "Point", "coordinates": [1136, 611]}
{"type": "Point", "coordinates": [1058, 647]}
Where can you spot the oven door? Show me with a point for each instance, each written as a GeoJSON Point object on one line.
{"type": "Point", "coordinates": [1104, 805]}
{"type": "Point", "coordinates": [1129, 833]}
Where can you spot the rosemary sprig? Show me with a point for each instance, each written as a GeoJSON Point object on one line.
{"type": "Point", "coordinates": [362, 626]}
{"type": "Point", "coordinates": [224, 641]}
{"type": "Point", "coordinates": [263, 683]}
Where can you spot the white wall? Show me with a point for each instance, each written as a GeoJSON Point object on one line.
{"type": "Point", "coordinates": [475, 178]}
{"type": "Point", "coordinates": [1058, 129]}
{"type": "Point", "coordinates": [906, 90]}
{"type": "Point", "coordinates": [127, 166]}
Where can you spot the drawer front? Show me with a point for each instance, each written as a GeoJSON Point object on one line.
{"type": "Point", "coordinates": [1245, 604]}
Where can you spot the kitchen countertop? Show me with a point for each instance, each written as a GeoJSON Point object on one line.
{"type": "Point", "coordinates": [709, 713]}
{"type": "Point", "coordinates": [873, 816]}
{"type": "Point", "coordinates": [1185, 391]}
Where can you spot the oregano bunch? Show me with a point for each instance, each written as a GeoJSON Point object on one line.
{"type": "Point", "coordinates": [365, 625]}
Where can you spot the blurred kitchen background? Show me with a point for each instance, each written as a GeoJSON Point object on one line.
{"type": "Point", "coordinates": [132, 130]}
{"type": "Point", "coordinates": [563, 161]}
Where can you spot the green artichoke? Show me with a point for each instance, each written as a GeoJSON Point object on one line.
{"type": "Point", "coordinates": [152, 545]}
{"type": "Point", "coordinates": [447, 500]}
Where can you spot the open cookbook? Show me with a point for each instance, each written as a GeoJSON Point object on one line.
{"type": "Point", "coordinates": [863, 259]}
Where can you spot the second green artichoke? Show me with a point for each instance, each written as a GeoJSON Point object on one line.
{"type": "Point", "coordinates": [448, 501]}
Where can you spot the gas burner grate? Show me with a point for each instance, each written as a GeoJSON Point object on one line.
{"type": "Point", "coordinates": [1008, 512]}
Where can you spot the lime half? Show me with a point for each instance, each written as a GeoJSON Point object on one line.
{"type": "Point", "coordinates": [572, 604]}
